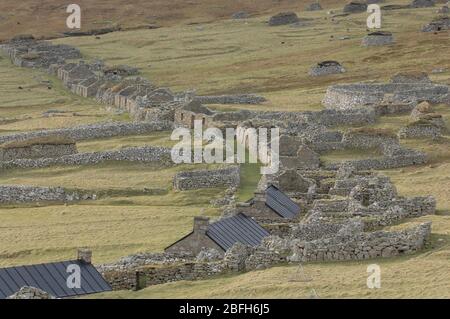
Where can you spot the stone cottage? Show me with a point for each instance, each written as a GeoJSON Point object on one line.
{"type": "Point", "coordinates": [220, 235]}
{"type": "Point", "coordinates": [193, 111]}
{"type": "Point", "coordinates": [326, 67]}
{"type": "Point", "coordinates": [89, 87]}
{"type": "Point", "coordinates": [271, 205]}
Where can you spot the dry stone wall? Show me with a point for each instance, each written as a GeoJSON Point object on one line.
{"type": "Point", "coordinates": [37, 151]}
{"type": "Point", "coordinates": [363, 245]}
{"type": "Point", "coordinates": [231, 99]}
{"type": "Point", "coordinates": [225, 177]}
{"type": "Point", "coordinates": [93, 131]}
{"type": "Point", "coordinates": [146, 154]}
{"type": "Point", "coordinates": [10, 194]}
{"type": "Point", "coordinates": [360, 95]}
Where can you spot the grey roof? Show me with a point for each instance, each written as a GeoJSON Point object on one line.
{"type": "Point", "coordinates": [51, 278]}
{"type": "Point", "coordinates": [281, 203]}
{"type": "Point", "coordinates": [239, 228]}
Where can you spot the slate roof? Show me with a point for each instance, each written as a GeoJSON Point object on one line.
{"type": "Point", "coordinates": [239, 228]}
{"type": "Point", "coordinates": [281, 203]}
{"type": "Point", "coordinates": [52, 278]}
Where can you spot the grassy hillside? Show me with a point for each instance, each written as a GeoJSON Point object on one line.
{"type": "Point", "coordinates": [240, 56]}
{"type": "Point", "coordinates": [27, 94]}
{"type": "Point", "coordinates": [217, 55]}
{"type": "Point", "coordinates": [48, 17]}
{"type": "Point", "coordinates": [420, 276]}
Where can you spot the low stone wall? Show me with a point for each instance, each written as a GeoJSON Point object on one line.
{"type": "Point", "coordinates": [37, 151]}
{"type": "Point", "coordinates": [408, 158]}
{"type": "Point", "coordinates": [346, 243]}
{"type": "Point", "coordinates": [369, 140]}
{"type": "Point", "coordinates": [363, 246]}
{"type": "Point", "coordinates": [417, 206]}
{"type": "Point", "coordinates": [420, 131]}
{"type": "Point", "coordinates": [145, 154]}
{"type": "Point", "coordinates": [224, 177]}
{"type": "Point", "coordinates": [360, 95]}
{"type": "Point", "coordinates": [93, 131]}
{"type": "Point", "coordinates": [377, 39]}
{"type": "Point", "coordinates": [315, 230]}
{"type": "Point", "coordinates": [231, 99]}
{"type": "Point", "coordinates": [296, 121]}
{"type": "Point", "coordinates": [10, 194]}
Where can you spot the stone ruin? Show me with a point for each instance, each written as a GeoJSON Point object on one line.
{"type": "Point", "coordinates": [422, 3]}
{"type": "Point", "coordinates": [355, 7]}
{"type": "Point", "coordinates": [443, 10]}
{"type": "Point", "coordinates": [403, 88]}
{"type": "Point", "coordinates": [25, 51]}
{"type": "Point", "coordinates": [117, 85]}
{"type": "Point", "coordinates": [27, 292]}
{"type": "Point", "coordinates": [378, 38]}
{"type": "Point", "coordinates": [315, 6]}
{"type": "Point", "coordinates": [424, 123]}
{"type": "Point", "coordinates": [284, 18]}
{"type": "Point", "coordinates": [341, 223]}
{"type": "Point", "coordinates": [326, 68]}
{"type": "Point", "coordinates": [437, 25]}
{"type": "Point", "coordinates": [342, 204]}
{"type": "Point", "coordinates": [391, 153]}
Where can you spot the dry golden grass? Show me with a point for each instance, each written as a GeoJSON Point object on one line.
{"type": "Point", "coordinates": [112, 227]}
{"type": "Point", "coordinates": [422, 275]}
{"type": "Point", "coordinates": [25, 97]}
{"type": "Point", "coordinates": [47, 140]}
{"type": "Point", "coordinates": [48, 17]}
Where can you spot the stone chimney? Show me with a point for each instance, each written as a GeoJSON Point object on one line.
{"type": "Point", "coordinates": [84, 255]}
{"type": "Point", "coordinates": [201, 224]}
